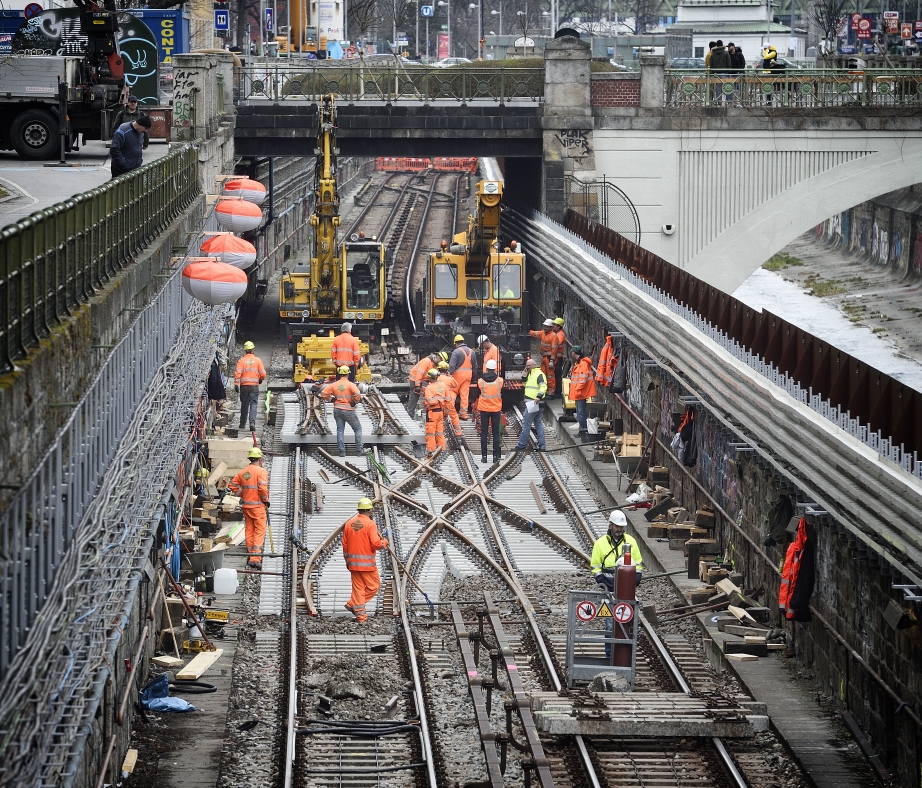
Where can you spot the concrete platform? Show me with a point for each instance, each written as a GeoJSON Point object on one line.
{"type": "Point", "coordinates": [642, 714]}
{"type": "Point", "coordinates": [292, 414]}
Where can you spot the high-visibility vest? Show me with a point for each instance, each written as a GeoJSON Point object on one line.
{"type": "Point", "coordinates": [491, 395]}
{"type": "Point", "coordinates": [249, 371]}
{"type": "Point", "coordinates": [420, 369]}
{"type": "Point", "coordinates": [451, 385]}
{"type": "Point", "coordinates": [344, 394]}
{"type": "Point", "coordinates": [605, 369]}
{"type": "Point", "coordinates": [252, 485]}
{"type": "Point", "coordinates": [606, 552]}
{"type": "Point", "coordinates": [791, 570]}
{"type": "Point", "coordinates": [582, 386]}
{"type": "Point", "coordinates": [548, 342]}
{"type": "Point", "coordinates": [435, 395]}
{"type": "Point", "coordinates": [494, 354]}
{"type": "Point", "coordinates": [468, 362]}
{"type": "Point", "coordinates": [360, 542]}
{"type": "Point", "coordinates": [345, 350]}
{"type": "Point", "coordinates": [535, 384]}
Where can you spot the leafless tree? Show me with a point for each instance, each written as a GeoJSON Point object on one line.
{"type": "Point", "coordinates": [245, 11]}
{"type": "Point", "coordinates": [362, 17]}
{"type": "Point", "coordinates": [827, 16]}
{"type": "Point", "coordinates": [397, 12]}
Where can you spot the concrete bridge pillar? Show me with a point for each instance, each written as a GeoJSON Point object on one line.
{"type": "Point", "coordinates": [652, 81]}
{"type": "Point", "coordinates": [567, 122]}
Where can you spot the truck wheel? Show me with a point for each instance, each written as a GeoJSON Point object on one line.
{"type": "Point", "coordinates": [34, 134]}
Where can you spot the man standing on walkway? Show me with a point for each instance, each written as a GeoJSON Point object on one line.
{"type": "Point", "coordinates": [127, 146]}
{"type": "Point", "coordinates": [345, 395]}
{"type": "Point", "coordinates": [535, 392]}
{"type": "Point", "coordinates": [345, 351]}
{"type": "Point", "coordinates": [549, 346]}
{"type": "Point", "coordinates": [360, 543]}
{"type": "Point", "coordinates": [582, 387]}
{"type": "Point", "coordinates": [252, 485]}
{"type": "Point", "coordinates": [560, 357]}
{"type": "Point", "coordinates": [490, 405]}
{"type": "Point", "coordinates": [461, 368]}
{"type": "Point", "coordinates": [248, 374]}
{"type": "Point", "coordinates": [434, 402]}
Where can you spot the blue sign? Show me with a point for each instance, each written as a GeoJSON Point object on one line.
{"type": "Point", "coordinates": [222, 20]}
{"type": "Point", "coordinates": [269, 20]}
{"type": "Point", "coordinates": [426, 10]}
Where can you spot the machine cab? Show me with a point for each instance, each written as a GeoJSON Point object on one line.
{"type": "Point", "coordinates": [364, 280]}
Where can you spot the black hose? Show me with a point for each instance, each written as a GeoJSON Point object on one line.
{"type": "Point", "coordinates": [192, 687]}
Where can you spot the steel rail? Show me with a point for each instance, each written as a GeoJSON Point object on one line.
{"type": "Point", "coordinates": [369, 205]}
{"type": "Point", "coordinates": [293, 628]}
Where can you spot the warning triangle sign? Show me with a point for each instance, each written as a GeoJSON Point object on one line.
{"type": "Point", "coordinates": [604, 611]}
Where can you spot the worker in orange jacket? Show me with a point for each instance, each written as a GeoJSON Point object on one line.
{"type": "Point", "coordinates": [344, 395]}
{"type": "Point", "coordinates": [451, 394]}
{"type": "Point", "coordinates": [345, 351]}
{"type": "Point", "coordinates": [608, 361]}
{"type": "Point", "coordinates": [561, 355]}
{"type": "Point", "coordinates": [252, 485]}
{"type": "Point", "coordinates": [248, 374]}
{"type": "Point", "coordinates": [582, 387]}
{"type": "Point", "coordinates": [418, 380]}
{"type": "Point", "coordinates": [434, 401]}
{"type": "Point", "coordinates": [360, 543]}
{"type": "Point", "coordinates": [490, 405]}
{"type": "Point", "coordinates": [488, 352]}
{"type": "Point", "coordinates": [461, 368]}
{"type": "Point", "coordinates": [549, 347]}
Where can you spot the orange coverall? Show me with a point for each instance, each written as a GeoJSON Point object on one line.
{"type": "Point", "coordinates": [360, 542]}
{"type": "Point", "coordinates": [252, 485]}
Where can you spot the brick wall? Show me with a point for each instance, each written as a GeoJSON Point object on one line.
{"type": "Point", "coordinates": [615, 90]}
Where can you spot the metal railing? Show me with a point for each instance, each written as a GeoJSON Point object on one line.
{"type": "Point", "coordinates": [296, 82]}
{"type": "Point", "coordinates": [603, 203]}
{"type": "Point", "coordinates": [797, 88]}
{"type": "Point", "coordinates": [58, 258]}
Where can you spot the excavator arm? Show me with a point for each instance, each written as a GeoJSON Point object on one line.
{"type": "Point", "coordinates": [326, 273]}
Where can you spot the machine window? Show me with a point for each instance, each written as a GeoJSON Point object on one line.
{"type": "Point", "coordinates": [363, 269]}
{"type": "Point", "coordinates": [507, 281]}
{"type": "Point", "coordinates": [477, 289]}
{"type": "Point", "coordinates": [446, 280]}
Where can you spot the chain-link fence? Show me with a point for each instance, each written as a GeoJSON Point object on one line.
{"type": "Point", "coordinates": [603, 203]}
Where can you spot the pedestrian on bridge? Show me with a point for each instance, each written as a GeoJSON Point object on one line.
{"type": "Point", "coordinates": [345, 351]}
{"type": "Point", "coordinates": [582, 387]}
{"type": "Point", "coordinates": [127, 146]}
{"type": "Point", "coordinates": [360, 543]}
{"type": "Point", "coordinates": [549, 347]}
{"type": "Point", "coordinates": [461, 368]}
{"type": "Point", "coordinates": [248, 374]}
{"type": "Point", "coordinates": [490, 405]}
{"type": "Point", "coordinates": [252, 485]}
{"type": "Point", "coordinates": [535, 392]}
{"type": "Point", "coordinates": [434, 400]}
{"type": "Point", "coordinates": [345, 395]}
{"type": "Point", "coordinates": [129, 113]}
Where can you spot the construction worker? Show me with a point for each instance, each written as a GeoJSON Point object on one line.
{"type": "Point", "coordinates": [434, 401]}
{"type": "Point", "coordinates": [248, 374]}
{"type": "Point", "coordinates": [345, 395]}
{"type": "Point", "coordinates": [549, 346]}
{"type": "Point", "coordinates": [451, 394]}
{"type": "Point", "coordinates": [461, 368]}
{"type": "Point", "coordinates": [252, 485]}
{"type": "Point", "coordinates": [489, 351]}
{"type": "Point", "coordinates": [360, 543]}
{"type": "Point", "coordinates": [582, 387]}
{"type": "Point", "coordinates": [535, 390]}
{"type": "Point", "coordinates": [345, 351]}
{"type": "Point", "coordinates": [417, 378]}
{"type": "Point", "coordinates": [608, 363]}
{"type": "Point", "coordinates": [561, 356]}
{"type": "Point", "coordinates": [490, 405]}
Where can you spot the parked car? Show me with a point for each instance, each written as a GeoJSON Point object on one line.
{"type": "Point", "coordinates": [687, 62]}
{"type": "Point", "coordinates": [448, 62]}
{"type": "Point", "coordinates": [382, 59]}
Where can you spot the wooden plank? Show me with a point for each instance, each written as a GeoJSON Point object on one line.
{"type": "Point", "coordinates": [167, 662]}
{"type": "Point", "coordinates": [230, 532]}
{"type": "Point", "coordinates": [534, 492]}
{"type": "Point", "coordinates": [742, 615]}
{"type": "Point", "coordinates": [199, 665]}
{"type": "Point", "coordinates": [217, 473]}
{"type": "Point", "coordinates": [741, 657]}
{"type": "Point", "coordinates": [131, 758]}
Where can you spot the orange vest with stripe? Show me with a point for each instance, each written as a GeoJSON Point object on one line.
{"type": "Point", "coordinates": [791, 570]}
{"type": "Point", "coordinates": [549, 342]}
{"type": "Point", "coordinates": [252, 485]}
{"type": "Point", "coordinates": [582, 386]}
{"type": "Point", "coordinates": [345, 350]}
{"type": "Point", "coordinates": [491, 395]}
{"type": "Point", "coordinates": [249, 371]}
{"type": "Point", "coordinates": [360, 542]}
{"type": "Point", "coordinates": [344, 394]}
{"type": "Point", "coordinates": [419, 370]}
{"type": "Point", "coordinates": [436, 395]}
{"type": "Point", "coordinates": [492, 353]}
{"type": "Point", "coordinates": [561, 343]}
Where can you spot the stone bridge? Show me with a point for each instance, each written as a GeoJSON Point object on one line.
{"type": "Point", "coordinates": [722, 172]}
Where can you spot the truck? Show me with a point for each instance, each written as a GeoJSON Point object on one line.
{"type": "Point", "coordinates": [38, 94]}
{"type": "Point", "coordinates": [314, 23]}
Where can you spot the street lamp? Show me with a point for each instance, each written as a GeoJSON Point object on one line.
{"type": "Point", "coordinates": [494, 12]}
{"type": "Point", "coordinates": [549, 20]}
{"type": "Point", "coordinates": [447, 4]}
{"type": "Point", "coordinates": [478, 6]}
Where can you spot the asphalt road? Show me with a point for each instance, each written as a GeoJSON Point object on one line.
{"type": "Point", "coordinates": [32, 186]}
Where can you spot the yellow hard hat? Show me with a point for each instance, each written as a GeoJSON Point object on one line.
{"type": "Point", "coordinates": [558, 321]}
{"type": "Point", "coordinates": [443, 355]}
{"type": "Point", "coordinates": [248, 345]}
{"type": "Point", "coordinates": [458, 338]}
{"type": "Point", "coordinates": [255, 454]}
{"type": "Point", "coordinates": [443, 365]}
{"type": "Point", "coordinates": [365, 504]}
{"type": "Point", "coordinates": [343, 370]}
{"type": "Point", "coordinates": [433, 373]}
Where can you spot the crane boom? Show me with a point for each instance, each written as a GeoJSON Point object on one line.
{"type": "Point", "coordinates": [326, 292]}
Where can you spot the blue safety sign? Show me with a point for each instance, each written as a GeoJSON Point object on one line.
{"type": "Point", "coordinates": [426, 10]}
{"type": "Point", "coordinates": [270, 18]}
{"type": "Point", "coordinates": [222, 20]}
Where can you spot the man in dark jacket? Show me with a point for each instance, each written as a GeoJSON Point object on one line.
{"type": "Point", "coordinates": [128, 113]}
{"type": "Point", "coordinates": [720, 66]}
{"type": "Point", "coordinates": [127, 146]}
{"type": "Point", "coordinates": [737, 61]}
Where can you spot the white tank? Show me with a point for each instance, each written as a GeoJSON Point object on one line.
{"type": "Point", "coordinates": [225, 581]}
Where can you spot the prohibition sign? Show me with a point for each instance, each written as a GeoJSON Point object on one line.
{"type": "Point", "coordinates": [585, 611]}
{"type": "Point", "coordinates": [623, 613]}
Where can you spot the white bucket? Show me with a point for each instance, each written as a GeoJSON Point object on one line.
{"type": "Point", "coordinates": [225, 581]}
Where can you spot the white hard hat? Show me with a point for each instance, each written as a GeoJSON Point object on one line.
{"type": "Point", "coordinates": [363, 388]}
{"type": "Point", "coordinates": [617, 518]}
{"type": "Point", "coordinates": [482, 338]}
{"type": "Point", "coordinates": [549, 322]}
{"type": "Point", "coordinates": [346, 327]}
{"type": "Point", "coordinates": [491, 364]}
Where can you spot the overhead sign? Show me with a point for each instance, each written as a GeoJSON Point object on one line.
{"type": "Point", "coordinates": [426, 10]}
{"type": "Point", "coordinates": [864, 28]}
{"type": "Point", "coordinates": [623, 613]}
{"type": "Point", "coordinates": [906, 30]}
{"type": "Point", "coordinates": [891, 21]}
{"type": "Point", "coordinates": [586, 611]}
{"type": "Point", "coordinates": [222, 20]}
{"type": "Point", "coordinates": [270, 19]}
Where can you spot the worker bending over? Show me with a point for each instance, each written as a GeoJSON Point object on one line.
{"type": "Point", "coordinates": [451, 394]}
{"type": "Point", "coordinates": [360, 543]}
{"type": "Point", "coordinates": [434, 402]}
{"type": "Point", "coordinates": [461, 368]}
{"type": "Point", "coordinates": [549, 345]}
{"type": "Point", "coordinates": [345, 351]}
{"type": "Point", "coordinates": [252, 485]}
{"type": "Point", "coordinates": [248, 374]}
{"type": "Point", "coordinates": [490, 405]}
{"type": "Point", "coordinates": [345, 395]}
{"type": "Point", "coordinates": [417, 379]}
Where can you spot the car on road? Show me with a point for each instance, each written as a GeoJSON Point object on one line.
{"type": "Point", "coordinates": [379, 59]}
{"type": "Point", "coordinates": [687, 62]}
{"type": "Point", "coordinates": [448, 62]}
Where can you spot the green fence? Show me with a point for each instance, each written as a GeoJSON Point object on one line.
{"type": "Point", "coordinates": [795, 87]}
{"type": "Point", "coordinates": [58, 258]}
